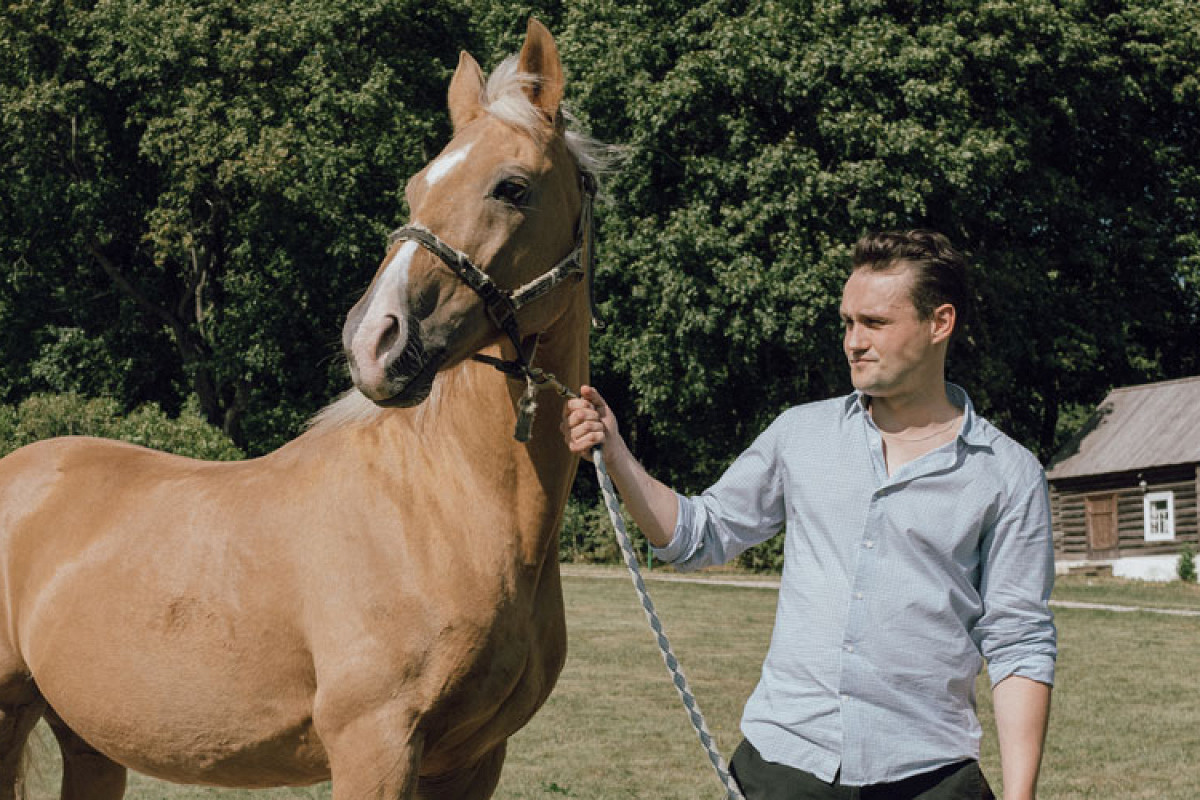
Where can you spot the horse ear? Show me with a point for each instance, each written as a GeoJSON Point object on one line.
{"type": "Point", "coordinates": [466, 91]}
{"type": "Point", "coordinates": [539, 58]}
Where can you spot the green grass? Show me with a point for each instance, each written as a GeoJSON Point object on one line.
{"type": "Point", "coordinates": [615, 728]}
{"type": "Point", "coordinates": [1117, 591]}
{"type": "Point", "coordinates": [1126, 718]}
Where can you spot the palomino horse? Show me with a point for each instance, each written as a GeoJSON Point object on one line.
{"type": "Point", "coordinates": [378, 601]}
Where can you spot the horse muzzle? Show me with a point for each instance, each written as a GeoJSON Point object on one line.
{"type": "Point", "coordinates": [388, 361]}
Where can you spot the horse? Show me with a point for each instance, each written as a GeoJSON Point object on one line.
{"type": "Point", "coordinates": [378, 602]}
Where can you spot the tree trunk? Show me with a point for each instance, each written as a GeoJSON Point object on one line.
{"type": "Point", "coordinates": [223, 405]}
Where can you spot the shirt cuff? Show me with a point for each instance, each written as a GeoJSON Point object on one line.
{"type": "Point", "coordinates": [677, 548]}
{"type": "Point", "coordinates": [1038, 668]}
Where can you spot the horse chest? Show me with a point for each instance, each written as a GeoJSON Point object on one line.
{"type": "Point", "coordinates": [495, 689]}
{"type": "Point", "coordinates": [471, 672]}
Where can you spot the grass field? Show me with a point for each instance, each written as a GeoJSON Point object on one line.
{"type": "Point", "coordinates": [1125, 724]}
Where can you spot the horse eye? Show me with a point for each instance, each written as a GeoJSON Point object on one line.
{"type": "Point", "coordinates": [512, 191]}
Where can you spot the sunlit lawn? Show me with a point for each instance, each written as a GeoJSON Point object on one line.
{"type": "Point", "coordinates": [1126, 719]}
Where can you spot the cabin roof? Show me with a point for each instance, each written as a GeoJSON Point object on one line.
{"type": "Point", "coordinates": [1136, 427]}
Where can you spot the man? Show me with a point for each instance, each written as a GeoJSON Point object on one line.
{"type": "Point", "coordinates": [917, 545]}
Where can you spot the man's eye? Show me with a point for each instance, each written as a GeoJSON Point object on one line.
{"type": "Point", "coordinates": [513, 191]}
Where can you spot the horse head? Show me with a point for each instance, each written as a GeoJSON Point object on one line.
{"type": "Point", "coordinates": [497, 208]}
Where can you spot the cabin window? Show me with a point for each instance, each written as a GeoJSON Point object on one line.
{"type": "Point", "coordinates": [1159, 514]}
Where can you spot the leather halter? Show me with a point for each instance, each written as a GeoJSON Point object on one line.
{"type": "Point", "coordinates": [502, 304]}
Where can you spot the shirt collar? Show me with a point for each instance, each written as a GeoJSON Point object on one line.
{"type": "Point", "coordinates": [973, 432]}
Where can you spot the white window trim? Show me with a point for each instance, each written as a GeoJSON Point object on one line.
{"type": "Point", "coordinates": [1148, 503]}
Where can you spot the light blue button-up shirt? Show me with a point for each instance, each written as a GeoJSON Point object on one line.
{"type": "Point", "coordinates": [894, 591]}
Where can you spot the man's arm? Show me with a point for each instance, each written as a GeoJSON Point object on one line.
{"type": "Point", "coordinates": [1016, 633]}
{"type": "Point", "coordinates": [1022, 708]}
{"type": "Point", "coordinates": [654, 506]}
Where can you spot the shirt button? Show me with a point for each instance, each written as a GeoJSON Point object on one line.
{"type": "Point", "coordinates": [858, 595]}
{"type": "Point", "coordinates": [868, 544]}
{"type": "Point", "coordinates": [849, 648]}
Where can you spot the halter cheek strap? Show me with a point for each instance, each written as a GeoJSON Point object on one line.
{"type": "Point", "coordinates": [501, 306]}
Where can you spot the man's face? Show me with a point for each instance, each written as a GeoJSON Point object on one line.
{"type": "Point", "coordinates": [889, 347]}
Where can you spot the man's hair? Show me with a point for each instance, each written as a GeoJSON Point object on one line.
{"type": "Point", "coordinates": [939, 271]}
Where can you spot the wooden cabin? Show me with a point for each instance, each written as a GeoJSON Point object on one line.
{"type": "Point", "coordinates": [1125, 486]}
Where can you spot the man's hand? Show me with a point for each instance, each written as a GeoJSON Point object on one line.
{"type": "Point", "coordinates": [588, 422]}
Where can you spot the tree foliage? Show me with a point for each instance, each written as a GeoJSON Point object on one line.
{"type": "Point", "coordinates": [43, 416]}
{"type": "Point", "coordinates": [1054, 141]}
{"type": "Point", "coordinates": [193, 193]}
{"type": "Point", "coordinates": [199, 189]}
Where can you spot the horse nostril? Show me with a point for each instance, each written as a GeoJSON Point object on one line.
{"type": "Point", "coordinates": [388, 336]}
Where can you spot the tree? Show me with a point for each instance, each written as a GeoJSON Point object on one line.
{"type": "Point", "coordinates": [199, 190]}
{"type": "Point", "coordinates": [192, 194]}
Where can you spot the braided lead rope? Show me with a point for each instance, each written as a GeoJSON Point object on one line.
{"type": "Point", "coordinates": [664, 644]}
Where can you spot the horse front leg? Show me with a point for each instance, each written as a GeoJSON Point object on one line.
{"type": "Point", "coordinates": [474, 782]}
{"type": "Point", "coordinates": [374, 754]}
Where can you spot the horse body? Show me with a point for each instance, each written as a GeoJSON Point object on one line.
{"type": "Point", "coordinates": [377, 601]}
{"type": "Point", "coordinates": [158, 614]}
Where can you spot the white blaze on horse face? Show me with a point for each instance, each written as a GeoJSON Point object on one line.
{"type": "Point", "coordinates": [387, 310]}
{"type": "Point", "coordinates": [446, 163]}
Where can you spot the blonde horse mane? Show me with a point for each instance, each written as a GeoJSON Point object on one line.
{"type": "Point", "coordinates": [504, 97]}
{"type": "Point", "coordinates": [353, 408]}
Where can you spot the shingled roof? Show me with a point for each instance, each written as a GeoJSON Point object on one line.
{"type": "Point", "coordinates": [1136, 427]}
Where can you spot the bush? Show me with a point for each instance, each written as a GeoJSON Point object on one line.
{"type": "Point", "coordinates": [44, 416]}
{"type": "Point", "coordinates": [765, 557]}
{"type": "Point", "coordinates": [1187, 565]}
{"type": "Point", "coordinates": [584, 537]}
{"type": "Point", "coordinates": [587, 537]}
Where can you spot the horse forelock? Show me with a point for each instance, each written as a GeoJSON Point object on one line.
{"type": "Point", "coordinates": [506, 98]}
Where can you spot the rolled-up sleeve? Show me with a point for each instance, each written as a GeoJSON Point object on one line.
{"type": "Point", "coordinates": [1016, 633]}
{"type": "Point", "coordinates": [745, 507]}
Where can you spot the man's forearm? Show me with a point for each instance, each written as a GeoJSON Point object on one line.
{"type": "Point", "coordinates": [652, 504]}
{"type": "Point", "coordinates": [1022, 709]}
{"type": "Point", "coordinates": [588, 422]}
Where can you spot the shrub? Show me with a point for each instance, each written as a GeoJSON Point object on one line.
{"type": "Point", "coordinates": [1187, 565]}
{"type": "Point", "coordinates": [587, 537]}
{"type": "Point", "coordinates": [765, 557]}
{"type": "Point", "coordinates": [44, 416]}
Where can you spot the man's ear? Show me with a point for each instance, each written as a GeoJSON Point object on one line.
{"type": "Point", "coordinates": [942, 322]}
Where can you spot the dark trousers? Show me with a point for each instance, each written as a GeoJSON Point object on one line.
{"type": "Point", "coordinates": [764, 780]}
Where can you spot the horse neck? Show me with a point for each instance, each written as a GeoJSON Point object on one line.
{"type": "Point", "coordinates": [471, 420]}
{"type": "Point", "coordinates": [562, 351]}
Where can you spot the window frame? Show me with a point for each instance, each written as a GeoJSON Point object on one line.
{"type": "Point", "coordinates": [1148, 504]}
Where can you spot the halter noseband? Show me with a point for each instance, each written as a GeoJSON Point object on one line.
{"type": "Point", "coordinates": [502, 304]}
